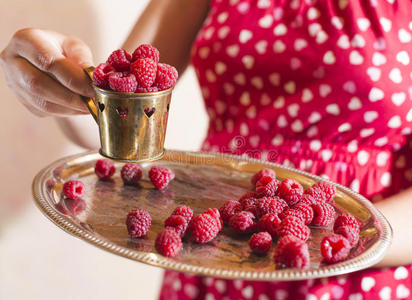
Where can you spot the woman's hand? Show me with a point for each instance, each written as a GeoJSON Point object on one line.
{"type": "Point", "coordinates": [45, 71]}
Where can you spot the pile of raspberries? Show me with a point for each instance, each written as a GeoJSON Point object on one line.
{"type": "Point", "coordinates": [274, 209]}
{"type": "Point", "coordinates": [140, 72]}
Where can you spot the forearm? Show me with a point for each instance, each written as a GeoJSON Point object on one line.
{"type": "Point", "coordinates": [170, 26]}
{"type": "Point", "coordinates": [397, 210]}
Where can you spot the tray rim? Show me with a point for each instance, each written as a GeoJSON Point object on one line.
{"type": "Point", "coordinates": [367, 259]}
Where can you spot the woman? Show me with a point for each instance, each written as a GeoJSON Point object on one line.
{"type": "Point", "coordinates": [325, 85]}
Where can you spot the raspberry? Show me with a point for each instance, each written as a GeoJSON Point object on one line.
{"type": "Point", "coordinates": [349, 233]}
{"type": "Point", "coordinates": [73, 189]}
{"type": "Point", "coordinates": [242, 222]}
{"type": "Point", "coordinates": [252, 209]}
{"type": "Point", "coordinates": [101, 75]}
{"type": "Point", "coordinates": [328, 189]}
{"type": "Point", "coordinates": [317, 194]}
{"type": "Point", "coordinates": [120, 60]}
{"type": "Point", "coordinates": [161, 176]}
{"type": "Point", "coordinates": [104, 169]}
{"type": "Point", "coordinates": [229, 209]}
{"type": "Point", "coordinates": [334, 248]}
{"type": "Point", "coordinates": [267, 186]}
{"type": "Point", "coordinates": [292, 213]}
{"type": "Point", "coordinates": [122, 82]}
{"type": "Point", "coordinates": [260, 242]}
{"type": "Point", "coordinates": [270, 205]}
{"type": "Point", "coordinates": [138, 222]}
{"type": "Point", "coordinates": [323, 214]}
{"type": "Point", "coordinates": [184, 211]}
{"type": "Point", "coordinates": [166, 76]}
{"type": "Point", "coordinates": [294, 226]}
{"type": "Point", "coordinates": [150, 89]}
{"type": "Point", "coordinates": [291, 191]}
{"type": "Point", "coordinates": [245, 202]}
{"type": "Point", "coordinates": [146, 51]}
{"type": "Point", "coordinates": [214, 212]}
{"type": "Point", "coordinates": [178, 223]}
{"type": "Point", "coordinates": [145, 71]}
{"type": "Point", "coordinates": [292, 252]}
{"type": "Point", "coordinates": [131, 173]}
{"type": "Point", "coordinates": [306, 210]}
{"type": "Point", "coordinates": [308, 199]}
{"type": "Point", "coordinates": [264, 172]}
{"type": "Point", "coordinates": [269, 223]}
{"type": "Point", "coordinates": [248, 194]}
{"type": "Point", "coordinates": [204, 228]}
{"type": "Point", "coordinates": [168, 242]}
{"type": "Point", "coordinates": [346, 220]}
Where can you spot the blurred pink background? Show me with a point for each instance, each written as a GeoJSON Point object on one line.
{"type": "Point", "coordinates": [38, 260]}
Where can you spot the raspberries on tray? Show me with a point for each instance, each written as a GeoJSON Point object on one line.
{"type": "Point", "coordinates": [73, 189]}
{"type": "Point", "coordinates": [168, 242]}
{"type": "Point", "coordinates": [334, 248]}
{"type": "Point", "coordinates": [161, 176]}
{"type": "Point", "coordinates": [243, 222]}
{"type": "Point", "coordinates": [131, 173]}
{"type": "Point", "coordinates": [178, 223]}
{"type": "Point", "coordinates": [292, 252]}
{"type": "Point", "coordinates": [291, 191]}
{"type": "Point", "coordinates": [323, 214]}
{"type": "Point", "coordinates": [270, 205]}
{"type": "Point", "coordinates": [260, 242]}
{"type": "Point", "coordinates": [284, 215]}
{"type": "Point", "coordinates": [267, 186]}
{"type": "Point", "coordinates": [229, 209]}
{"type": "Point", "coordinates": [104, 169]}
{"type": "Point", "coordinates": [295, 227]}
{"type": "Point", "coordinates": [204, 228]}
{"type": "Point", "coordinates": [137, 73]}
{"type": "Point", "coordinates": [138, 222]}
{"type": "Point", "coordinates": [184, 211]}
{"type": "Point", "coordinates": [261, 173]}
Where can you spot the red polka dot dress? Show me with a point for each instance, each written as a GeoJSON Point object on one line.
{"type": "Point", "coordinates": [324, 86]}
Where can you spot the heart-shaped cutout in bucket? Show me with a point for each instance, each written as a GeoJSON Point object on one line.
{"type": "Point", "coordinates": [122, 112]}
{"type": "Point", "coordinates": [149, 111]}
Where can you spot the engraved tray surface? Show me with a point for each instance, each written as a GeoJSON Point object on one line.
{"type": "Point", "coordinates": [202, 180]}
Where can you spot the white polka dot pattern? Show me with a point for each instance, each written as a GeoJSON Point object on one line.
{"type": "Point", "coordinates": [326, 90]}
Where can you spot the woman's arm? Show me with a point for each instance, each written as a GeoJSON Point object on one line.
{"type": "Point", "coordinates": [170, 26]}
{"type": "Point", "coordinates": [397, 209]}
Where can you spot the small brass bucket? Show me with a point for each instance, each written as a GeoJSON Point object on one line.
{"type": "Point", "coordinates": [132, 126]}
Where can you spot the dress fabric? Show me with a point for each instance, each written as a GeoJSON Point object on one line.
{"type": "Point", "coordinates": [323, 86]}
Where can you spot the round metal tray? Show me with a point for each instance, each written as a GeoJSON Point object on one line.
{"type": "Point", "coordinates": [202, 180]}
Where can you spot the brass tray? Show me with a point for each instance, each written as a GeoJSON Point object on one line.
{"type": "Point", "coordinates": [202, 180]}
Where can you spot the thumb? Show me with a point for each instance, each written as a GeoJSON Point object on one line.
{"type": "Point", "coordinates": [77, 51]}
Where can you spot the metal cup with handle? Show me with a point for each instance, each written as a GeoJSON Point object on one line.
{"type": "Point", "coordinates": [132, 126]}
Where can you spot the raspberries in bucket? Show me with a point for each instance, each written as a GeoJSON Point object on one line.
{"type": "Point", "coordinates": [140, 72]}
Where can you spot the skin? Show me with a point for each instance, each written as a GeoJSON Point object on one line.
{"type": "Point", "coordinates": [45, 71]}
